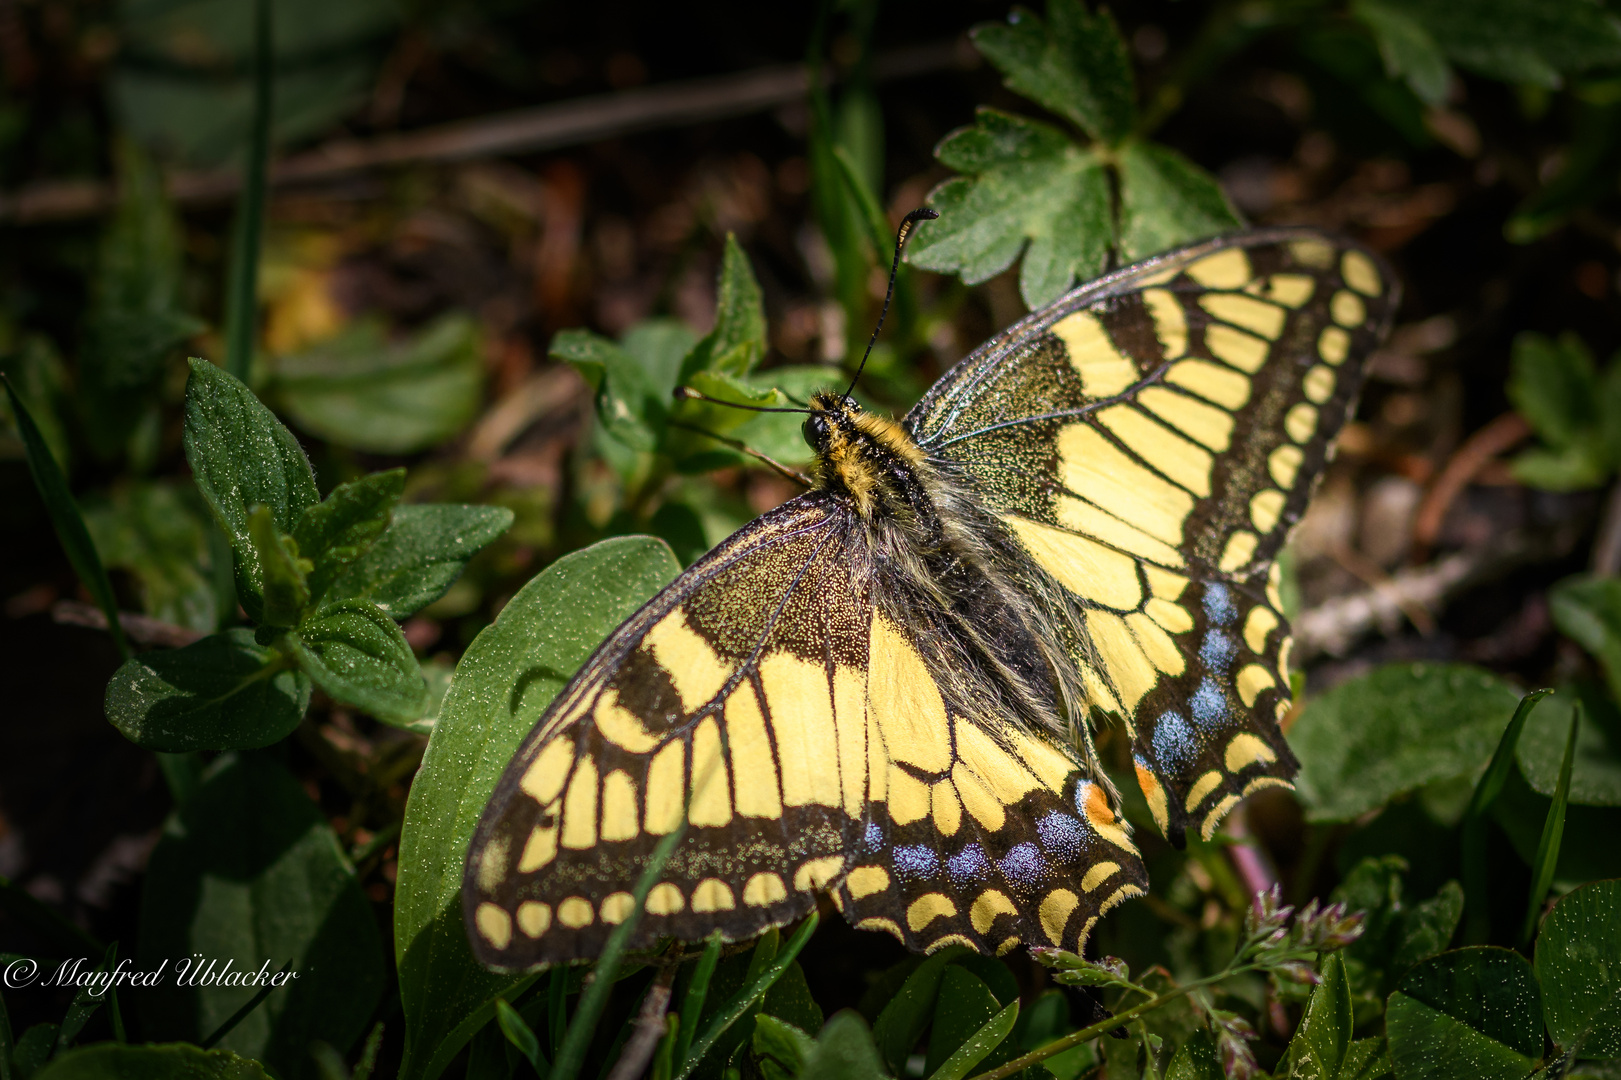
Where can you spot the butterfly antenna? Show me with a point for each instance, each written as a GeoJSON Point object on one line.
{"type": "Point", "coordinates": [921, 214]}
{"type": "Point", "coordinates": [687, 393]}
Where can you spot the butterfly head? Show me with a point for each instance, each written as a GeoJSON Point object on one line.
{"type": "Point", "coordinates": [858, 453]}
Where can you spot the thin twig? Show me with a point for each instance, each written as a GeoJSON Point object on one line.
{"type": "Point", "coordinates": [547, 127]}
{"type": "Point", "coordinates": [650, 1028]}
{"type": "Point", "coordinates": [141, 629]}
{"type": "Point", "coordinates": [1607, 544]}
{"type": "Point", "coordinates": [1374, 576]}
{"type": "Point", "coordinates": [1464, 465]}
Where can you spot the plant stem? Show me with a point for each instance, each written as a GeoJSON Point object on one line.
{"type": "Point", "coordinates": [241, 299]}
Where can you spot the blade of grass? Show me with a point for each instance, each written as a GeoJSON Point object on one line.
{"type": "Point", "coordinates": [241, 298]}
{"type": "Point", "coordinates": [981, 1043]}
{"type": "Point", "coordinates": [557, 1008]}
{"type": "Point", "coordinates": [1553, 830]}
{"type": "Point", "coordinates": [517, 1033]}
{"type": "Point", "coordinates": [1476, 880]}
{"type": "Point", "coordinates": [85, 1003]}
{"type": "Point", "coordinates": [65, 517]}
{"type": "Point", "coordinates": [692, 1003]}
{"type": "Point", "coordinates": [594, 998]}
{"type": "Point", "coordinates": [755, 989]}
{"type": "Point", "coordinates": [242, 1014]}
{"type": "Point", "coordinates": [368, 1054]}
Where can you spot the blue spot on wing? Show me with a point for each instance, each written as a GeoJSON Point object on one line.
{"type": "Point", "coordinates": [1062, 835]}
{"type": "Point", "coordinates": [968, 867]}
{"type": "Point", "coordinates": [1023, 865]}
{"type": "Point", "coordinates": [1218, 604]}
{"type": "Point", "coordinates": [1174, 747]}
{"type": "Point", "coordinates": [1218, 651]}
{"type": "Point", "coordinates": [916, 862]}
{"type": "Point", "coordinates": [874, 837]}
{"type": "Point", "coordinates": [1208, 704]}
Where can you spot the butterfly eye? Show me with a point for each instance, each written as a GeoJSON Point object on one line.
{"type": "Point", "coordinates": [815, 429]}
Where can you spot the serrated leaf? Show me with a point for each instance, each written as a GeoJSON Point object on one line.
{"type": "Point", "coordinates": [225, 692]}
{"type": "Point", "coordinates": [1027, 183]}
{"type": "Point", "coordinates": [420, 555]}
{"type": "Point", "coordinates": [738, 340]}
{"type": "Point", "coordinates": [1522, 42]}
{"type": "Point", "coordinates": [1167, 201]}
{"type": "Point", "coordinates": [1408, 50]}
{"type": "Point", "coordinates": [1074, 64]}
{"type": "Point", "coordinates": [340, 529]}
{"type": "Point", "coordinates": [357, 654]}
{"type": "Point", "coordinates": [241, 456]}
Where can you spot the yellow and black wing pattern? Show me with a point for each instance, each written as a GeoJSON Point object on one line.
{"type": "Point", "coordinates": [1150, 439]}
{"type": "Point", "coordinates": [765, 699]}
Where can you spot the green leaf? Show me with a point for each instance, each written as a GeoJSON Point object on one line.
{"type": "Point", "coordinates": [248, 872]}
{"type": "Point", "coordinates": [1588, 611]}
{"type": "Point", "coordinates": [1595, 779]}
{"type": "Point", "coordinates": [739, 1004]}
{"type": "Point", "coordinates": [1554, 385]}
{"type": "Point", "coordinates": [962, 1005]}
{"type": "Point", "coordinates": [1074, 64]}
{"type": "Point", "coordinates": [1426, 928]}
{"type": "Point", "coordinates": [505, 680]}
{"type": "Point", "coordinates": [1489, 786]}
{"type": "Point", "coordinates": [1576, 467]}
{"type": "Point", "coordinates": [1195, 1059]}
{"type": "Point", "coordinates": [980, 1045]}
{"type": "Point", "coordinates": [1578, 963]}
{"type": "Point", "coordinates": [1553, 832]}
{"type": "Point", "coordinates": [738, 340]}
{"type": "Point", "coordinates": [1588, 174]}
{"type": "Point", "coordinates": [1471, 1014]}
{"type": "Point", "coordinates": [782, 1042]}
{"type": "Point", "coordinates": [362, 390]}
{"type": "Point", "coordinates": [420, 555]}
{"type": "Point", "coordinates": [629, 405]}
{"type": "Point", "coordinates": [39, 377]}
{"type": "Point", "coordinates": [241, 457]}
{"type": "Point", "coordinates": [844, 1051]}
{"type": "Point", "coordinates": [344, 525]}
{"type": "Point", "coordinates": [174, 1061]}
{"type": "Point", "coordinates": [1408, 50]}
{"type": "Point", "coordinates": [692, 1002]}
{"type": "Point", "coordinates": [1396, 729]}
{"type": "Point", "coordinates": [356, 653]}
{"type": "Point", "coordinates": [1519, 42]}
{"type": "Point", "coordinates": [901, 1024]}
{"type": "Point", "coordinates": [518, 1034]}
{"type": "Point", "coordinates": [225, 692]}
{"type": "Point", "coordinates": [1167, 201]}
{"type": "Point", "coordinates": [285, 589]}
{"type": "Point", "coordinates": [65, 518]}
{"type": "Point", "coordinates": [1026, 182]}
{"type": "Point", "coordinates": [1320, 1042]}
{"type": "Point", "coordinates": [162, 534]}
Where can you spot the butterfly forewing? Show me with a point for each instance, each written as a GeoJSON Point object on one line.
{"type": "Point", "coordinates": [1150, 439]}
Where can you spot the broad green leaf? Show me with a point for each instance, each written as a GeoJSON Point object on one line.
{"type": "Point", "coordinates": [981, 1045]}
{"type": "Point", "coordinates": [1396, 729]}
{"type": "Point", "coordinates": [1578, 963]}
{"type": "Point", "coordinates": [1407, 48]}
{"type": "Point", "coordinates": [1426, 928]}
{"type": "Point", "coordinates": [782, 1042]}
{"type": "Point", "coordinates": [993, 973]}
{"type": "Point", "coordinates": [225, 692]}
{"type": "Point", "coordinates": [361, 389]}
{"type": "Point", "coordinates": [241, 457]}
{"type": "Point", "coordinates": [1025, 182]}
{"type": "Point", "coordinates": [173, 1061]}
{"type": "Point", "coordinates": [844, 1051]}
{"type": "Point", "coordinates": [1587, 850]}
{"type": "Point", "coordinates": [1195, 1059]}
{"type": "Point", "coordinates": [660, 345]}
{"type": "Point", "coordinates": [1575, 467]}
{"type": "Point", "coordinates": [285, 589]}
{"type": "Point", "coordinates": [1472, 1014]}
{"type": "Point", "coordinates": [160, 532]}
{"type": "Point", "coordinates": [420, 555]}
{"type": "Point", "coordinates": [1167, 201]}
{"type": "Point", "coordinates": [34, 1049]}
{"type": "Point", "coordinates": [1519, 42]}
{"type": "Point", "coordinates": [1595, 778]}
{"type": "Point", "coordinates": [356, 653]}
{"type": "Point", "coordinates": [738, 340]}
{"type": "Point", "coordinates": [249, 873]}
{"type": "Point", "coordinates": [505, 680]}
{"type": "Point", "coordinates": [768, 966]}
{"type": "Point", "coordinates": [901, 1024]}
{"type": "Point", "coordinates": [1320, 1042]}
{"type": "Point", "coordinates": [339, 530]}
{"type": "Point", "coordinates": [1588, 611]}
{"type": "Point", "coordinates": [52, 486]}
{"type": "Point", "coordinates": [962, 1005]}
{"type": "Point", "coordinates": [1554, 385]}
{"type": "Point", "coordinates": [630, 406]}
{"type": "Point", "coordinates": [517, 1032]}
{"type": "Point", "coordinates": [1073, 64]}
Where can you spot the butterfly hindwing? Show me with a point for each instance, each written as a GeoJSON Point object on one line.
{"type": "Point", "coordinates": [805, 737]}
{"type": "Point", "coordinates": [1150, 439]}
